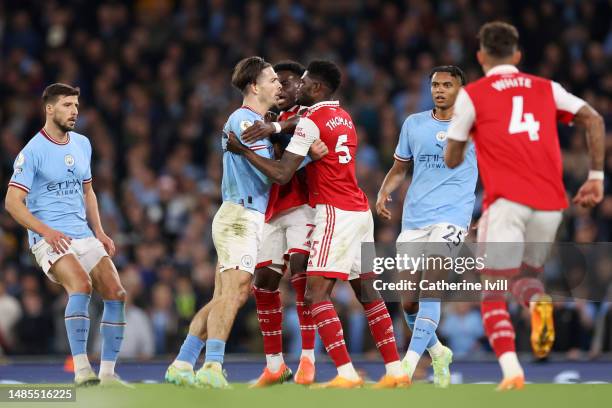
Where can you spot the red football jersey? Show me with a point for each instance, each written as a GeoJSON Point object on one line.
{"type": "Point", "coordinates": [295, 192]}
{"type": "Point", "coordinates": [512, 118]}
{"type": "Point", "coordinates": [332, 179]}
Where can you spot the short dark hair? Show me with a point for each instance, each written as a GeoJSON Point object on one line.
{"type": "Point", "coordinates": [291, 66]}
{"type": "Point", "coordinates": [453, 70]}
{"type": "Point", "coordinates": [498, 39]}
{"type": "Point", "coordinates": [247, 71]}
{"type": "Point", "coordinates": [326, 72]}
{"type": "Point", "coordinates": [54, 91]}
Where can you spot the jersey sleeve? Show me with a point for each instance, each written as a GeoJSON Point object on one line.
{"type": "Point", "coordinates": [238, 123]}
{"type": "Point", "coordinates": [88, 178]}
{"type": "Point", "coordinates": [306, 132]}
{"type": "Point", "coordinates": [463, 118]}
{"type": "Point", "coordinates": [566, 103]}
{"type": "Point", "coordinates": [24, 169]}
{"type": "Point", "coordinates": [403, 152]}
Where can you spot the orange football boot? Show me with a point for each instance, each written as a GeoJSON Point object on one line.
{"type": "Point", "coordinates": [305, 373]}
{"type": "Point", "coordinates": [388, 381]}
{"type": "Point", "coordinates": [268, 378]}
{"type": "Point", "coordinates": [542, 325]}
{"type": "Point", "coordinates": [512, 383]}
{"type": "Point", "coordinates": [339, 382]}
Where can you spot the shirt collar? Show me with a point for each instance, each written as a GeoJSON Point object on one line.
{"type": "Point", "coordinates": [503, 69]}
{"type": "Point", "coordinates": [325, 103]}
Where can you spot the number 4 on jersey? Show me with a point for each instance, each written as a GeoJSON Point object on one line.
{"type": "Point", "coordinates": [523, 122]}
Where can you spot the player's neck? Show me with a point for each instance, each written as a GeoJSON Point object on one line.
{"type": "Point", "coordinates": [55, 132]}
{"type": "Point", "coordinates": [253, 104]}
{"type": "Point", "coordinates": [443, 114]}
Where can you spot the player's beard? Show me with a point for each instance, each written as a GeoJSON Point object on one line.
{"type": "Point", "coordinates": [64, 127]}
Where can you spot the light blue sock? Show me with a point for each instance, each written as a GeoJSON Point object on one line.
{"type": "Point", "coordinates": [215, 350]}
{"type": "Point", "coordinates": [112, 328]}
{"type": "Point", "coordinates": [191, 349]}
{"type": "Point", "coordinates": [76, 317]}
{"type": "Point", "coordinates": [410, 318]}
{"type": "Point", "coordinates": [425, 325]}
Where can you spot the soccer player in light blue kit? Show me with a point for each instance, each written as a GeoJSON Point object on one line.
{"type": "Point", "coordinates": [52, 175]}
{"type": "Point", "coordinates": [237, 229]}
{"type": "Point", "coordinates": [437, 209]}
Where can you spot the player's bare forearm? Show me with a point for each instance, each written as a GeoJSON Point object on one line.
{"type": "Point", "coordinates": [15, 206]}
{"type": "Point", "coordinates": [281, 171]}
{"type": "Point", "coordinates": [395, 177]}
{"type": "Point", "coordinates": [91, 210]}
{"type": "Point", "coordinates": [260, 130]}
{"type": "Point", "coordinates": [454, 153]}
{"type": "Point", "coordinates": [595, 134]}
{"type": "Point", "coordinates": [288, 126]}
{"type": "Point", "coordinates": [392, 181]}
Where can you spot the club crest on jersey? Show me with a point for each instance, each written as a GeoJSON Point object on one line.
{"type": "Point", "coordinates": [441, 136]}
{"type": "Point", "coordinates": [20, 160]}
{"type": "Point", "coordinates": [247, 261]}
{"type": "Point", "coordinates": [245, 124]}
{"type": "Point", "coordinates": [69, 160]}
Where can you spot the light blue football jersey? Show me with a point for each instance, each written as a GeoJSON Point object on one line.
{"type": "Point", "coordinates": [53, 174]}
{"type": "Point", "coordinates": [437, 194]}
{"type": "Point", "coordinates": [242, 183]}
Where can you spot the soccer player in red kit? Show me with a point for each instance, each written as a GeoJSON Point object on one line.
{"type": "Point", "coordinates": [286, 237]}
{"type": "Point", "coordinates": [343, 221]}
{"type": "Point", "coordinates": [512, 118]}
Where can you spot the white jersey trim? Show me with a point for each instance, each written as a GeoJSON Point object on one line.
{"type": "Point", "coordinates": [566, 101]}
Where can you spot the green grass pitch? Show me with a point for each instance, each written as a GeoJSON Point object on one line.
{"type": "Point", "coordinates": [295, 396]}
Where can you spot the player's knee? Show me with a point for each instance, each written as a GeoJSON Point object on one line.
{"type": "Point", "coordinates": [119, 294]}
{"type": "Point", "coordinates": [81, 285]}
{"type": "Point", "coordinates": [410, 306]}
{"type": "Point", "coordinates": [297, 263]}
{"type": "Point", "coordinates": [314, 295]}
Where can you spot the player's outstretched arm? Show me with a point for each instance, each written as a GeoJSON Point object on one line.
{"type": "Point", "coordinates": [279, 172]}
{"type": "Point", "coordinates": [15, 206]}
{"type": "Point", "coordinates": [260, 130]}
{"type": "Point", "coordinates": [392, 181]}
{"type": "Point", "coordinates": [591, 192]}
{"type": "Point", "coordinates": [93, 217]}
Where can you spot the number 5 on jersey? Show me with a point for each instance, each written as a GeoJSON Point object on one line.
{"type": "Point", "coordinates": [523, 122]}
{"type": "Point", "coordinates": [341, 148]}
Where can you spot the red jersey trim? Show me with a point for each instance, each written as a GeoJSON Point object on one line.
{"type": "Point", "coordinates": [329, 274]}
{"type": "Point", "coordinates": [510, 272]}
{"type": "Point", "coordinates": [263, 264]}
{"type": "Point", "coordinates": [298, 251]}
{"type": "Point", "coordinates": [398, 158]}
{"type": "Point", "coordinates": [530, 268]}
{"type": "Point", "coordinates": [433, 115]}
{"type": "Point", "coordinates": [52, 140]}
{"type": "Point", "coordinates": [328, 235]}
{"type": "Point", "coordinates": [89, 180]}
{"type": "Point", "coordinates": [260, 147]}
{"type": "Point", "coordinates": [251, 109]}
{"type": "Point", "coordinates": [19, 186]}
{"type": "Point", "coordinates": [322, 104]}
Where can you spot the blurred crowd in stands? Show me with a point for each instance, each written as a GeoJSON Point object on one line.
{"type": "Point", "coordinates": [155, 92]}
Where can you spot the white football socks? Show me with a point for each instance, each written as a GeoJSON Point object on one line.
{"type": "Point", "coordinates": [510, 365]}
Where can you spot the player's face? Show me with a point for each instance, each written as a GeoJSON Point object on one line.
{"type": "Point", "coordinates": [269, 87]}
{"type": "Point", "coordinates": [304, 95]}
{"type": "Point", "coordinates": [291, 84]}
{"type": "Point", "coordinates": [444, 89]}
{"type": "Point", "coordinates": [65, 112]}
